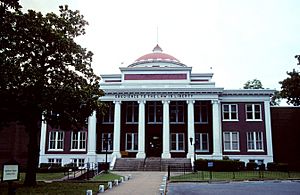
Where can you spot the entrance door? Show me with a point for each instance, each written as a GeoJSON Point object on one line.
{"type": "Point", "coordinates": [154, 146]}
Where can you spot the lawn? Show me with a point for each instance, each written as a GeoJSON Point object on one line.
{"type": "Point", "coordinates": [106, 177]}
{"type": "Point", "coordinates": [44, 176]}
{"type": "Point", "coordinates": [63, 187]}
{"type": "Point", "coordinates": [242, 175]}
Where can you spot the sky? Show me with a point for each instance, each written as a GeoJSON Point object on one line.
{"type": "Point", "coordinates": [237, 40]}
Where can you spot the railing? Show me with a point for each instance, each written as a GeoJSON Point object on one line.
{"type": "Point", "coordinates": [85, 172]}
{"type": "Point", "coordinates": [184, 174]}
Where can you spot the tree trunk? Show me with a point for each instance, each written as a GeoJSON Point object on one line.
{"type": "Point", "coordinates": [32, 129]}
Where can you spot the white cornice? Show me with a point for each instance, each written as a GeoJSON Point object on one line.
{"type": "Point", "coordinates": [245, 92]}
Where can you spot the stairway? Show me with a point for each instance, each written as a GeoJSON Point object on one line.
{"type": "Point", "coordinates": [129, 164]}
{"type": "Point", "coordinates": [152, 164]}
{"type": "Point", "coordinates": [177, 164]}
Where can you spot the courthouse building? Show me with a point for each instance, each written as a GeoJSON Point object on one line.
{"type": "Point", "coordinates": [158, 108]}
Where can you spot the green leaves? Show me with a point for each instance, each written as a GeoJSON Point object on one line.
{"type": "Point", "coordinates": [43, 69]}
{"type": "Point", "coordinates": [254, 84]}
{"type": "Point", "coordinates": [290, 88]}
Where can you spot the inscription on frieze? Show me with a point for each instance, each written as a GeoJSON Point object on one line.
{"type": "Point", "coordinates": [153, 96]}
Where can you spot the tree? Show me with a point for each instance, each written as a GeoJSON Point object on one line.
{"type": "Point", "coordinates": [254, 84]}
{"type": "Point", "coordinates": [43, 71]}
{"type": "Point", "coordinates": [275, 99]}
{"type": "Point", "coordinates": [290, 88]}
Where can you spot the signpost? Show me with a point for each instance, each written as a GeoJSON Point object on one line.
{"type": "Point", "coordinates": [210, 165]}
{"type": "Point", "coordinates": [10, 173]}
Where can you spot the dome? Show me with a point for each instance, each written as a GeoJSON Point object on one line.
{"type": "Point", "coordinates": [157, 56]}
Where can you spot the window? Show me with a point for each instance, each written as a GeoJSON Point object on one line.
{"type": "Point", "coordinates": [131, 141]}
{"type": "Point", "coordinates": [56, 140]}
{"type": "Point", "coordinates": [177, 112]}
{"type": "Point", "coordinates": [253, 111]}
{"type": "Point", "coordinates": [201, 112]}
{"type": "Point", "coordinates": [107, 142]}
{"type": "Point", "coordinates": [230, 112]}
{"type": "Point", "coordinates": [78, 140]}
{"type": "Point", "coordinates": [177, 142]}
{"type": "Point", "coordinates": [55, 161]}
{"type": "Point", "coordinates": [231, 141]}
{"type": "Point", "coordinates": [132, 112]}
{"type": "Point", "coordinates": [201, 142]}
{"type": "Point", "coordinates": [78, 162]}
{"type": "Point", "coordinates": [155, 112]}
{"type": "Point", "coordinates": [108, 117]}
{"type": "Point", "coordinates": [255, 141]}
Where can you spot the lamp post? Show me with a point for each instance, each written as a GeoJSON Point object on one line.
{"type": "Point", "coordinates": [191, 140]}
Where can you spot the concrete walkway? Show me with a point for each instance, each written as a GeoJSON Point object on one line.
{"type": "Point", "coordinates": [141, 183]}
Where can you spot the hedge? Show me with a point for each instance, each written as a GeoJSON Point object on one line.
{"type": "Point", "coordinates": [219, 165]}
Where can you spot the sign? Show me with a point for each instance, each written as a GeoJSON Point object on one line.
{"type": "Point", "coordinates": [210, 164]}
{"type": "Point", "coordinates": [10, 172]}
{"type": "Point", "coordinates": [154, 96]}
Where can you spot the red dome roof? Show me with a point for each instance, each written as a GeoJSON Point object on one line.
{"type": "Point", "coordinates": [157, 56]}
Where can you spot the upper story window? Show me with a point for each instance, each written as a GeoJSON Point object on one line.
{"type": "Point", "coordinates": [253, 111]}
{"type": "Point", "coordinates": [230, 112]}
{"type": "Point", "coordinates": [255, 141]}
{"type": "Point", "coordinates": [201, 143]}
{"type": "Point", "coordinates": [201, 112]}
{"type": "Point", "coordinates": [56, 140]}
{"type": "Point", "coordinates": [155, 112]}
{"type": "Point", "coordinates": [231, 141]}
{"type": "Point", "coordinates": [78, 140]}
{"type": "Point", "coordinates": [132, 112]}
{"type": "Point", "coordinates": [108, 117]}
{"type": "Point", "coordinates": [177, 112]}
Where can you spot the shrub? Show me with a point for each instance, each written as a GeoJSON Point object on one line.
{"type": "Point", "coordinates": [278, 166]}
{"type": "Point", "coordinates": [251, 166]}
{"type": "Point", "coordinates": [219, 165]}
{"type": "Point", "coordinates": [262, 167]}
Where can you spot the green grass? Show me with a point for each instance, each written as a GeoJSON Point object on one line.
{"type": "Point", "coordinates": [53, 188]}
{"type": "Point", "coordinates": [106, 177]}
{"type": "Point", "coordinates": [242, 175]}
{"type": "Point", "coordinates": [44, 176]}
{"type": "Point", "coordinates": [60, 187]}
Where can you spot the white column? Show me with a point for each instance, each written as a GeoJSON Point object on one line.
{"type": "Point", "coordinates": [43, 141]}
{"type": "Point", "coordinates": [191, 128]}
{"type": "Point", "coordinates": [217, 132]}
{"type": "Point", "coordinates": [268, 131]}
{"type": "Point", "coordinates": [91, 152]}
{"type": "Point", "coordinates": [166, 130]}
{"type": "Point", "coordinates": [117, 129]}
{"type": "Point", "coordinates": [141, 134]}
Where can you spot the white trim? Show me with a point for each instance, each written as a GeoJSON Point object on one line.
{"type": "Point", "coordinates": [268, 128]}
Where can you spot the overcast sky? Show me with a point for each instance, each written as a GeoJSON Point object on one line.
{"type": "Point", "coordinates": [240, 40]}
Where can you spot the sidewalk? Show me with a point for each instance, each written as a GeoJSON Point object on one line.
{"type": "Point", "coordinates": [141, 183]}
